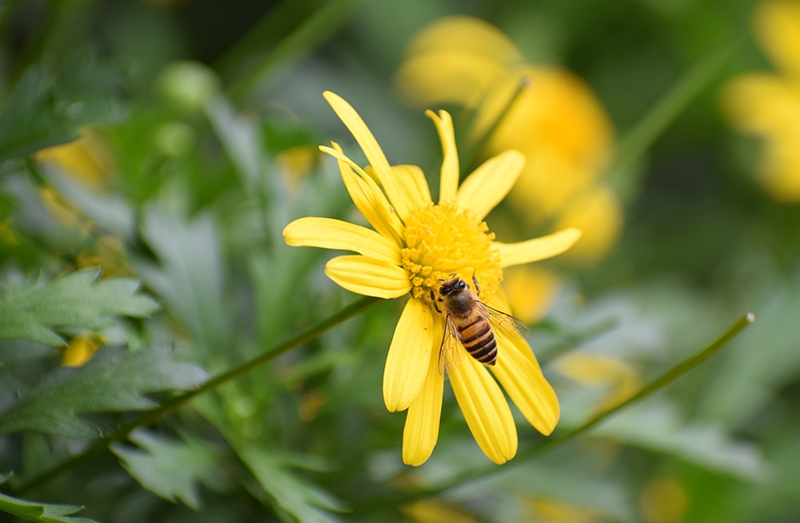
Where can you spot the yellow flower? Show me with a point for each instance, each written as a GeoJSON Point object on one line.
{"type": "Point", "coordinates": [414, 245]}
{"type": "Point", "coordinates": [81, 349]}
{"type": "Point", "coordinates": [435, 511]}
{"type": "Point", "coordinates": [544, 510]}
{"type": "Point", "coordinates": [767, 105]}
{"type": "Point", "coordinates": [85, 160]}
{"type": "Point", "coordinates": [555, 121]}
{"type": "Point", "coordinates": [664, 500]}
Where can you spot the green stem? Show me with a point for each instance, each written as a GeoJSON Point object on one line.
{"type": "Point", "coordinates": [175, 403]}
{"type": "Point", "coordinates": [314, 30]}
{"type": "Point", "coordinates": [665, 379]}
{"type": "Point", "coordinates": [476, 146]}
{"type": "Point", "coordinates": [636, 141]}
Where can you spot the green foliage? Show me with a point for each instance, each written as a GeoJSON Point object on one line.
{"type": "Point", "coordinates": [115, 380]}
{"type": "Point", "coordinates": [40, 512]}
{"type": "Point", "coordinates": [195, 194]}
{"type": "Point", "coordinates": [286, 489]}
{"type": "Point", "coordinates": [170, 468]}
{"type": "Point", "coordinates": [31, 311]}
{"type": "Point", "coordinates": [41, 112]}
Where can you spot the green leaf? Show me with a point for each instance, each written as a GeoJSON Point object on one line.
{"type": "Point", "coordinates": [170, 468]}
{"type": "Point", "coordinates": [42, 512]}
{"type": "Point", "coordinates": [41, 112]}
{"type": "Point", "coordinates": [289, 492]}
{"type": "Point", "coordinates": [659, 428]}
{"type": "Point", "coordinates": [191, 276]}
{"type": "Point", "coordinates": [77, 299]}
{"type": "Point", "coordinates": [115, 380]}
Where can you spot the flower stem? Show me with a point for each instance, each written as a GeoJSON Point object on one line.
{"type": "Point", "coordinates": [175, 403]}
{"type": "Point", "coordinates": [251, 56]}
{"type": "Point", "coordinates": [665, 379]}
{"type": "Point", "coordinates": [638, 140]}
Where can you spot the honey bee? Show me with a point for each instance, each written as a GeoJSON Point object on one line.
{"type": "Point", "coordinates": [470, 323]}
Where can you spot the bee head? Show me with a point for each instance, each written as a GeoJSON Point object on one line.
{"type": "Point", "coordinates": [453, 285]}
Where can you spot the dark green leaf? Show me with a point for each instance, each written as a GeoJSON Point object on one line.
{"type": "Point", "coordinates": [41, 512]}
{"type": "Point", "coordinates": [115, 380]}
{"type": "Point", "coordinates": [291, 493]}
{"type": "Point", "coordinates": [74, 300]}
{"type": "Point", "coordinates": [190, 279]}
{"type": "Point", "coordinates": [41, 112]}
{"type": "Point", "coordinates": [169, 468]}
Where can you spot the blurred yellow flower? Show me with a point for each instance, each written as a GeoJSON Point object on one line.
{"type": "Point", "coordinates": [415, 244]}
{"type": "Point", "coordinates": [108, 254]}
{"type": "Point", "coordinates": [295, 164]}
{"type": "Point", "coordinates": [620, 379]}
{"type": "Point", "coordinates": [552, 117]}
{"type": "Point", "coordinates": [531, 290]}
{"type": "Point", "coordinates": [664, 500]}
{"type": "Point", "coordinates": [544, 510]}
{"type": "Point", "coordinates": [65, 213]}
{"type": "Point", "coordinates": [6, 234]}
{"type": "Point", "coordinates": [767, 105]}
{"type": "Point", "coordinates": [85, 160]}
{"type": "Point", "coordinates": [81, 349]}
{"type": "Point", "coordinates": [435, 511]}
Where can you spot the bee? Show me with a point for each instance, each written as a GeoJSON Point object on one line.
{"type": "Point", "coordinates": [470, 323]}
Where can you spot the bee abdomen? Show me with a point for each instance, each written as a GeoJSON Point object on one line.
{"type": "Point", "coordinates": [478, 338]}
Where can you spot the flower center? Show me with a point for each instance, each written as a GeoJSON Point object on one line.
{"type": "Point", "coordinates": [444, 239]}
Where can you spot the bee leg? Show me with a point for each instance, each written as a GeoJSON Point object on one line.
{"type": "Point", "coordinates": [475, 281]}
{"type": "Point", "coordinates": [433, 301]}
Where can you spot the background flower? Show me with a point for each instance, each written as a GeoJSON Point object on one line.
{"type": "Point", "coordinates": [767, 105]}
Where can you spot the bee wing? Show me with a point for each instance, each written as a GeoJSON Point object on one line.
{"type": "Point", "coordinates": [501, 320]}
{"type": "Point", "coordinates": [450, 350]}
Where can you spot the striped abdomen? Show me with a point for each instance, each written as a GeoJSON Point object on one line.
{"type": "Point", "coordinates": [477, 337]}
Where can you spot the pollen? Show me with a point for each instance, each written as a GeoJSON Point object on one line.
{"type": "Point", "coordinates": [443, 240]}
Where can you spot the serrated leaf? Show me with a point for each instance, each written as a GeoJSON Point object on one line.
{"type": "Point", "coordinates": [40, 512]}
{"type": "Point", "coordinates": [74, 300]}
{"type": "Point", "coordinates": [169, 468]}
{"type": "Point", "coordinates": [42, 111]}
{"type": "Point", "coordinates": [116, 380]}
{"type": "Point", "coordinates": [190, 279]}
{"type": "Point", "coordinates": [289, 492]}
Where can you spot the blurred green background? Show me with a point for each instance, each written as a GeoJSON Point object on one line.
{"type": "Point", "coordinates": [199, 122]}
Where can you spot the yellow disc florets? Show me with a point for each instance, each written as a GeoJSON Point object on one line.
{"type": "Point", "coordinates": [444, 239]}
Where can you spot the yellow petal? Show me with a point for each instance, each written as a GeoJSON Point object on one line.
{"type": "Point", "coordinates": [537, 248]}
{"type": "Point", "coordinates": [491, 182]}
{"type": "Point", "coordinates": [472, 35]}
{"type": "Point", "coordinates": [409, 356]}
{"type": "Point", "coordinates": [761, 103]}
{"type": "Point", "coordinates": [485, 409]}
{"type": "Point", "coordinates": [455, 60]}
{"type": "Point", "coordinates": [368, 276]}
{"type": "Point", "coordinates": [336, 234]}
{"type": "Point", "coordinates": [522, 379]}
{"type": "Point", "coordinates": [367, 196]}
{"type": "Point", "coordinates": [413, 184]}
{"type": "Point", "coordinates": [371, 149]}
{"type": "Point", "coordinates": [422, 421]}
{"type": "Point", "coordinates": [448, 186]}
{"type": "Point", "coordinates": [778, 31]}
{"type": "Point", "coordinates": [446, 76]}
